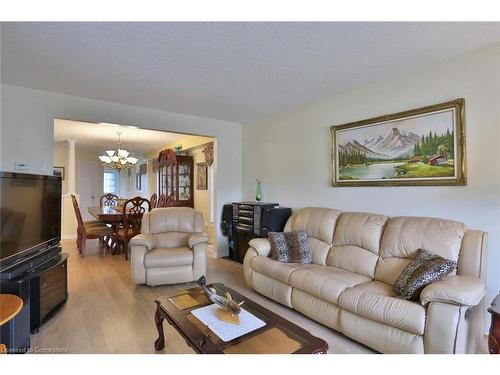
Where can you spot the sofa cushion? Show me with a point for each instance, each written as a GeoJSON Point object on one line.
{"type": "Point", "coordinates": [356, 242]}
{"type": "Point", "coordinates": [172, 239]}
{"type": "Point", "coordinates": [168, 257]}
{"type": "Point", "coordinates": [354, 259]}
{"type": "Point", "coordinates": [359, 229]}
{"type": "Point", "coordinates": [274, 269]}
{"type": "Point", "coordinates": [405, 235]}
{"type": "Point", "coordinates": [172, 219]}
{"type": "Point", "coordinates": [319, 223]}
{"type": "Point", "coordinates": [325, 282]}
{"type": "Point", "coordinates": [377, 301]}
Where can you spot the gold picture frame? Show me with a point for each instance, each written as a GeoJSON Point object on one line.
{"type": "Point", "coordinates": [419, 147]}
{"type": "Point", "coordinates": [201, 176]}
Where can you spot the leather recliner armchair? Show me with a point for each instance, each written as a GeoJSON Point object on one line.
{"type": "Point", "coordinates": [171, 247]}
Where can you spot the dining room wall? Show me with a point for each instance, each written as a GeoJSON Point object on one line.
{"type": "Point", "coordinates": [27, 121]}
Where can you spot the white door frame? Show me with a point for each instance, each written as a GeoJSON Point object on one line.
{"type": "Point", "coordinates": [90, 199]}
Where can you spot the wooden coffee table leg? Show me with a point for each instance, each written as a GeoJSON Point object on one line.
{"type": "Point", "coordinates": [160, 342]}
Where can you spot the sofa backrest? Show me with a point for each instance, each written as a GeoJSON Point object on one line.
{"type": "Point", "coordinates": [380, 247]}
{"type": "Point", "coordinates": [403, 236]}
{"type": "Point", "coordinates": [356, 242]}
{"type": "Point", "coordinates": [172, 225]}
{"type": "Point", "coordinates": [319, 223]}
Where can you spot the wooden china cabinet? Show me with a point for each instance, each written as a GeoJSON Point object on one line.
{"type": "Point", "coordinates": [175, 177]}
{"type": "Point", "coordinates": [494, 337]}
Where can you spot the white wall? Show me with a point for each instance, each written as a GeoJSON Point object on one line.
{"type": "Point", "coordinates": [127, 183]}
{"type": "Point", "coordinates": [291, 154]}
{"type": "Point", "coordinates": [27, 118]}
{"type": "Point", "coordinates": [151, 180]}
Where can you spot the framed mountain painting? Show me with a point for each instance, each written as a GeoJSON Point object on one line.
{"type": "Point", "coordinates": [419, 147]}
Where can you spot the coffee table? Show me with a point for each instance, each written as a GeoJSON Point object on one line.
{"type": "Point", "coordinates": [278, 336]}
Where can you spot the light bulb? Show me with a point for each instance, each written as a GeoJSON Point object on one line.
{"type": "Point", "coordinates": [123, 153]}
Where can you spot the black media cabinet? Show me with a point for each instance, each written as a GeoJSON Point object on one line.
{"type": "Point", "coordinates": [43, 288]}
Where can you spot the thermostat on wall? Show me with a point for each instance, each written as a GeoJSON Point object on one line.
{"type": "Point", "coordinates": [21, 165]}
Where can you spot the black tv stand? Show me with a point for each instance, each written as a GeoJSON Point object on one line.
{"type": "Point", "coordinates": [44, 288]}
{"type": "Point", "coordinates": [27, 264]}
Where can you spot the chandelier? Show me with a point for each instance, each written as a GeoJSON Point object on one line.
{"type": "Point", "coordinates": [118, 159]}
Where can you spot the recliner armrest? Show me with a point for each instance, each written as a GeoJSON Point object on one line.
{"type": "Point", "coordinates": [261, 245]}
{"type": "Point", "coordinates": [146, 240]}
{"type": "Point", "coordinates": [457, 290]}
{"type": "Point", "coordinates": [196, 238]}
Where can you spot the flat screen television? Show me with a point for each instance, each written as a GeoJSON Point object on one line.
{"type": "Point", "coordinates": [30, 215]}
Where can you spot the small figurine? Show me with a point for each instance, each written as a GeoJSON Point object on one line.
{"type": "Point", "coordinates": [230, 308]}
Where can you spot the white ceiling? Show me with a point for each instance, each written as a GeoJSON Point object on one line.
{"type": "Point", "coordinates": [99, 138]}
{"type": "Point", "coordinates": [236, 71]}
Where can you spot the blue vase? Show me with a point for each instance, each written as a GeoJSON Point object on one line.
{"type": "Point", "coordinates": [258, 192]}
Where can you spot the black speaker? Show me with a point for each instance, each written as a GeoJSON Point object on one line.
{"type": "Point", "coordinates": [226, 226]}
{"type": "Point", "coordinates": [226, 222]}
{"type": "Point", "coordinates": [274, 219]}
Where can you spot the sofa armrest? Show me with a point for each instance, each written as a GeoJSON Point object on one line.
{"type": "Point", "coordinates": [145, 240]}
{"type": "Point", "coordinates": [261, 245]}
{"type": "Point", "coordinates": [457, 290]}
{"type": "Point", "coordinates": [196, 238]}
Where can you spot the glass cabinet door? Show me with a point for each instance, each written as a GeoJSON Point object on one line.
{"type": "Point", "coordinates": [177, 180]}
{"type": "Point", "coordinates": [184, 182]}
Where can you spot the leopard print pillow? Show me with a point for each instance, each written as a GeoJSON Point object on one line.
{"type": "Point", "coordinates": [421, 257]}
{"type": "Point", "coordinates": [299, 247]}
{"type": "Point", "coordinates": [279, 248]}
{"type": "Point", "coordinates": [290, 247]}
{"type": "Point", "coordinates": [425, 269]}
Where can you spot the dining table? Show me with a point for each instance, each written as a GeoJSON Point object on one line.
{"type": "Point", "coordinates": [112, 215]}
{"type": "Point", "coordinates": [107, 214]}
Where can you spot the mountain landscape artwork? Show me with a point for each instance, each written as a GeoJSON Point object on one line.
{"type": "Point", "coordinates": [400, 150]}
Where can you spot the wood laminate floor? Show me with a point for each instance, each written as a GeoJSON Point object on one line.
{"type": "Point", "coordinates": [107, 313]}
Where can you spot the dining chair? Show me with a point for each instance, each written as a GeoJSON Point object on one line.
{"type": "Point", "coordinates": [161, 200]}
{"type": "Point", "coordinates": [88, 223]}
{"type": "Point", "coordinates": [169, 201]}
{"type": "Point", "coordinates": [133, 210]}
{"type": "Point", "coordinates": [165, 201]}
{"type": "Point", "coordinates": [87, 230]}
{"type": "Point", "coordinates": [109, 199]}
{"type": "Point", "coordinates": [153, 200]}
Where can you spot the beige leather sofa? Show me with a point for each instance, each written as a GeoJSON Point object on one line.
{"type": "Point", "coordinates": [171, 248]}
{"type": "Point", "coordinates": [357, 258]}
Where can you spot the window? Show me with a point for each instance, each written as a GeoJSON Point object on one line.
{"type": "Point", "coordinates": [111, 184]}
